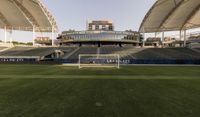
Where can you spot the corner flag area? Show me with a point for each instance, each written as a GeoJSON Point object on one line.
{"type": "Point", "coordinates": [60, 91]}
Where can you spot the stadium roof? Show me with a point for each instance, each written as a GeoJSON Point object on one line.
{"type": "Point", "coordinates": [26, 14]}
{"type": "Point", "coordinates": [171, 15]}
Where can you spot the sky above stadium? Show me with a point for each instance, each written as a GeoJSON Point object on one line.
{"type": "Point", "coordinates": [73, 14]}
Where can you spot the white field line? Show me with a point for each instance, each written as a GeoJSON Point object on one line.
{"type": "Point", "coordinates": [161, 65]}
{"type": "Point", "coordinates": [100, 77]}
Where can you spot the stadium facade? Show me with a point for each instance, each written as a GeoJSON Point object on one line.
{"type": "Point", "coordinates": [100, 33]}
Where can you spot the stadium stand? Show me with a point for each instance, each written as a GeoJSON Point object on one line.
{"type": "Point", "coordinates": [28, 51]}
{"type": "Point", "coordinates": [127, 53]}
{"type": "Point", "coordinates": [1, 48]}
{"type": "Point", "coordinates": [111, 50]}
{"type": "Point", "coordinates": [153, 41]}
{"type": "Point", "coordinates": [68, 51]}
{"type": "Point", "coordinates": [124, 52]}
{"type": "Point", "coordinates": [196, 49]}
{"type": "Point", "coordinates": [167, 53]}
{"type": "Point", "coordinates": [140, 53]}
{"type": "Point", "coordinates": [194, 37]}
{"type": "Point", "coordinates": [152, 53]}
{"type": "Point", "coordinates": [83, 50]}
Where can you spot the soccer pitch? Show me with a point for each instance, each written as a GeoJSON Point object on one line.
{"type": "Point", "coordinates": [132, 91]}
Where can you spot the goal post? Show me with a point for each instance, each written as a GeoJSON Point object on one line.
{"type": "Point", "coordinates": [99, 61]}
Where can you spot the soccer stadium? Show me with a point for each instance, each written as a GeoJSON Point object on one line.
{"type": "Point", "coordinates": [100, 71]}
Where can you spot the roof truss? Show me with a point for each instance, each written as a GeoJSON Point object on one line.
{"type": "Point", "coordinates": [174, 15]}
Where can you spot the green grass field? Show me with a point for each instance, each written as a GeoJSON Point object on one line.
{"type": "Point", "coordinates": [132, 91]}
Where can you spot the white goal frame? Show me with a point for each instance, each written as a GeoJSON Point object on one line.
{"type": "Point", "coordinates": [99, 65]}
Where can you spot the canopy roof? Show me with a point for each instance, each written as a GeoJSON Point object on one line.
{"type": "Point", "coordinates": [171, 15]}
{"type": "Point", "coordinates": [26, 14]}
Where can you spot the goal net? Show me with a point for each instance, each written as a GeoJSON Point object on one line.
{"type": "Point", "coordinates": [99, 60]}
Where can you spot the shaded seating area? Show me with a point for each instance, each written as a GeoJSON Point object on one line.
{"type": "Point", "coordinates": [84, 50]}
{"type": "Point", "coordinates": [141, 53]}
{"type": "Point", "coordinates": [28, 51]}
{"type": "Point", "coordinates": [1, 48]}
{"type": "Point", "coordinates": [167, 53]}
{"type": "Point", "coordinates": [127, 53]}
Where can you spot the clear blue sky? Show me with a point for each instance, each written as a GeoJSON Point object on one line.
{"type": "Point", "coordinates": [73, 14]}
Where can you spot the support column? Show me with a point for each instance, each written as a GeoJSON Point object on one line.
{"type": "Point", "coordinates": [52, 36]}
{"type": "Point", "coordinates": [5, 34]}
{"type": "Point", "coordinates": [180, 37]}
{"type": "Point", "coordinates": [33, 36]}
{"type": "Point", "coordinates": [185, 34]}
{"type": "Point", "coordinates": [11, 32]}
{"type": "Point", "coordinates": [155, 35]}
{"type": "Point", "coordinates": [162, 38]}
{"type": "Point", "coordinates": [143, 41]}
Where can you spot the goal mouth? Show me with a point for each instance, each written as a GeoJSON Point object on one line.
{"type": "Point", "coordinates": [99, 61]}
